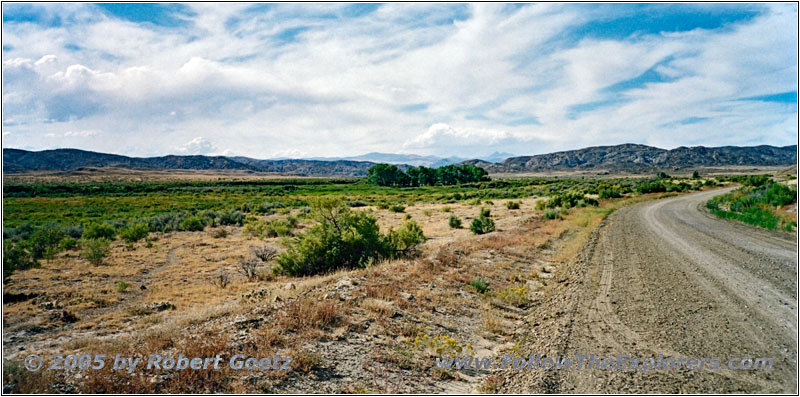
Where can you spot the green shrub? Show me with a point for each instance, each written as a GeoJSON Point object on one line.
{"type": "Point", "coordinates": [95, 250]}
{"type": "Point", "coordinates": [356, 203]}
{"type": "Point", "coordinates": [122, 286]}
{"type": "Point", "coordinates": [44, 241]}
{"type": "Point", "coordinates": [267, 207]}
{"type": "Point", "coordinates": [454, 222]}
{"type": "Point", "coordinates": [343, 239]}
{"type": "Point", "coordinates": [513, 205]}
{"type": "Point", "coordinates": [192, 224]}
{"type": "Point", "coordinates": [74, 231]}
{"type": "Point", "coordinates": [67, 243]}
{"type": "Point", "coordinates": [479, 284]}
{"type": "Point", "coordinates": [232, 217]}
{"type": "Point", "coordinates": [397, 208]}
{"type": "Point", "coordinates": [16, 257]}
{"type": "Point", "coordinates": [552, 214]}
{"type": "Point", "coordinates": [756, 203]}
{"type": "Point", "coordinates": [99, 230]}
{"type": "Point", "coordinates": [609, 193]}
{"type": "Point", "coordinates": [134, 232]}
{"type": "Point", "coordinates": [275, 228]}
{"type": "Point", "coordinates": [482, 225]}
{"type": "Point", "coordinates": [485, 212]}
{"type": "Point", "coordinates": [406, 237]}
{"type": "Point", "coordinates": [569, 200]}
{"type": "Point", "coordinates": [651, 187]}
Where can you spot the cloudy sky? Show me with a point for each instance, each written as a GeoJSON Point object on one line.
{"type": "Point", "coordinates": [300, 80]}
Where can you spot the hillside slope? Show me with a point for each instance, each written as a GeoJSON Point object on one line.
{"type": "Point", "coordinates": [640, 158]}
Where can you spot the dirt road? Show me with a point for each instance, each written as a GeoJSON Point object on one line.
{"type": "Point", "coordinates": [666, 277]}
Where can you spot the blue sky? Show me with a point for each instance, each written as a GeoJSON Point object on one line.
{"type": "Point", "coordinates": [304, 80]}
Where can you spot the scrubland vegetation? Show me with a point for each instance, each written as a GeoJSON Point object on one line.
{"type": "Point", "coordinates": [386, 267]}
{"type": "Point", "coordinates": [760, 201]}
{"type": "Point", "coordinates": [38, 217]}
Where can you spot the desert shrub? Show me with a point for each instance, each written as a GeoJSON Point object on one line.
{"type": "Point", "coordinates": [232, 217]}
{"type": "Point", "coordinates": [192, 224]}
{"type": "Point", "coordinates": [663, 175]}
{"type": "Point", "coordinates": [74, 231]}
{"type": "Point", "coordinates": [267, 207]}
{"type": "Point", "coordinates": [134, 232]}
{"type": "Point", "coordinates": [479, 284]}
{"type": "Point", "coordinates": [446, 208]}
{"type": "Point", "coordinates": [16, 257]}
{"type": "Point", "coordinates": [397, 208]}
{"type": "Point", "coordinates": [95, 250]}
{"type": "Point", "coordinates": [407, 237]}
{"type": "Point", "coordinates": [20, 233]}
{"type": "Point", "coordinates": [513, 205]}
{"type": "Point", "coordinates": [278, 228]}
{"type": "Point", "coordinates": [569, 200]}
{"type": "Point", "coordinates": [695, 174]}
{"type": "Point", "coordinates": [482, 225]}
{"type": "Point", "coordinates": [122, 286]}
{"type": "Point", "coordinates": [552, 214]}
{"type": "Point", "coordinates": [342, 238]}
{"type": "Point", "coordinates": [382, 205]}
{"type": "Point", "coordinates": [651, 187]}
{"type": "Point", "coordinates": [44, 241]}
{"type": "Point", "coordinates": [165, 222]}
{"type": "Point", "coordinates": [513, 296]}
{"type": "Point", "coordinates": [99, 230]}
{"type": "Point", "coordinates": [263, 229]}
{"type": "Point", "coordinates": [220, 233]}
{"type": "Point", "coordinates": [779, 195]}
{"type": "Point", "coordinates": [609, 193]}
{"type": "Point", "coordinates": [67, 243]}
{"type": "Point", "coordinates": [454, 222]}
{"type": "Point", "coordinates": [757, 204]}
{"type": "Point", "coordinates": [485, 212]}
{"type": "Point", "coordinates": [221, 280]}
{"type": "Point", "coordinates": [248, 267]}
{"type": "Point", "coordinates": [264, 253]}
{"type": "Point", "coordinates": [356, 203]}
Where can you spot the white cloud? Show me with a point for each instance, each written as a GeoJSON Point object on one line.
{"type": "Point", "coordinates": [83, 133]}
{"type": "Point", "coordinates": [463, 79]}
{"type": "Point", "coordinates": [197, 145]}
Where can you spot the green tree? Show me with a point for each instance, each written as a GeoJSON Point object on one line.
{"type": "Point", "coordinates": [387, 175]}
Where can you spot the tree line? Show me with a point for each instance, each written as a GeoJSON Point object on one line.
{"type": "Point", "coordinates": [391, 175]}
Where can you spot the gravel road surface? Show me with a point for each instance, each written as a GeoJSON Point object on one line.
{"type": "Point", "coordinates": [667, 277]}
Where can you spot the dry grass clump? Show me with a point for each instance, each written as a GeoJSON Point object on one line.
{"type": "Point", "coordinates": [308, 313]}
{"type": "Point", "coordinates": [386, 291]}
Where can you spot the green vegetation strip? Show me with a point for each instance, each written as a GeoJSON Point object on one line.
{"type": "Point", "coordinates": [757, 202]}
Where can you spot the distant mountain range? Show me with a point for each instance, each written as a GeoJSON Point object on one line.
{"type": "Point", "coordinates": [414, 159]}
{"type": "Point", "coordinates": [641, 158]}
{"type": "Point", "coordinates": [620, 158]}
